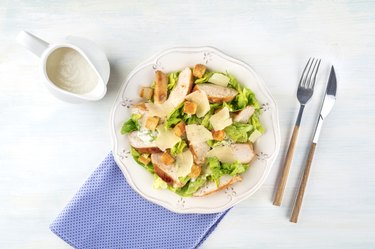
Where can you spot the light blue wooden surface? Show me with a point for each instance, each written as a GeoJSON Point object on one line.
{"type": "Point", "coordinates": [48, 148]}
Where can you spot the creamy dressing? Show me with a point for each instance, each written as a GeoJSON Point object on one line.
{"type": "Point", "coordinates": [69, 70]}
{"type": "Point", "coordinates": [147, 136]}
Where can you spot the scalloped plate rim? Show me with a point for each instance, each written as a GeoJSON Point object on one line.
{"type": "Point", "coordinates": [270, 161]}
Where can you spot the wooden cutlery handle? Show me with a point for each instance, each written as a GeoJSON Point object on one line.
{"type": "Point", "coordinates": [288, 161]}
{"type": "Point", "coordinates": [302, 187]}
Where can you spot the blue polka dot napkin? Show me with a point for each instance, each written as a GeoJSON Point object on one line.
{"type": "Point", "coordinates": [107, 213]}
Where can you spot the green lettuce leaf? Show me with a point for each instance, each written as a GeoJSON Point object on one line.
{"type": "Point", "coordinates": [205, 78]}
{"type": "Point", "coordinates": [159, 183]}
{"type": "Point", "coordinates": [136, 155]}
{"type": "Point", "coordinates": [238, 132]}
{"type": "Point", "coordinates": [178, 148]}
{"type": "Point", "coordinates": [206, 119]}
{"type": "Point", "coordinates": [175, 117]}
{"type": "Point", "coordinates": [172, 80]}
{"type": "Point", "coordinates": [233, 169]}
{"type": "Point", "coordinates": [191, 187]}
{"type": "Point", "coordinates": [244, 97]}
{"type": "Point", "coordinates": [254, 120]}
{"type": "Point", "coordinates": [131, 125]}
{"type": "Point", "coordinates": [214, 166]}
{"type": "Point", "coordinates": [192, 119]}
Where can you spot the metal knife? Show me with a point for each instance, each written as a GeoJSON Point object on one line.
{"type": "Point", "coordinates": [328, 103]}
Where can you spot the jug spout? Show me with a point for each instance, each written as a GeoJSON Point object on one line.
{"type": "Point", "coordinates": [36, 45]}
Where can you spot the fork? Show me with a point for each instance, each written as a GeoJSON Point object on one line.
{"type": "Point", "coordinates": [304, 94]}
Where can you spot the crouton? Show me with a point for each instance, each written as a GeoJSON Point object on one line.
{"type": "Point", "coordinates": [166, 158]}
{"type": "Point", "coordinates": [199, 70]}
{"type": "Point", "coordinates": [161, 87]}
{"type": "Point", "coordinates": [152, 122]}
{"type": "Point", "coordinates": [218, 135]}
{"type": "Point", "coordinates": [146, 92]}
{"type": "Point", "coordinates": [190, 107]}
{"type": "Point", "coordinates": [179, 129]}
{"type": "Point", "coordinates": [195, 171]}
{"type": "Point", "coordinates": [144, 158]}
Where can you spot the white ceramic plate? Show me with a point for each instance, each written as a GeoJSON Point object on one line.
{"type": "Point", "coordinates": [266, 147]}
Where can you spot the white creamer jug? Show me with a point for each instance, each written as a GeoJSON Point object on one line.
{"type": "Point", "coordinates": [74, 71]}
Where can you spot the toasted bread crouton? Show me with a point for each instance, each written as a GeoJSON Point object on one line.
{"type": "Point", "coordinates": [166, 158]}
{"type": "Point", "coordinates": [179, 129]}
{"type": "Point", "coordinates": [146, 92]}
{"type": "Point", "coordinates": [199, 70]}
{"type": "Point", "coordinates": [152, 123]}
{"type": "Point", "coordinates": [190, 107]}
{"type": "Point", "coordinates": [144, 158]}
{"type": "Point", "coordinates": [218, 135]}
{"type": "Point", "coordinates": [161, 87]}
{"type": "Point", "coordinates": [195, 171]}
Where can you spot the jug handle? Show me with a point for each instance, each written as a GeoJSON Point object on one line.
{"type": "Point", "coordinates": [36, 45]}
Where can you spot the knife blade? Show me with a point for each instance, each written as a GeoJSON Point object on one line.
{"type": "Point", "coordinates": [328, 103]}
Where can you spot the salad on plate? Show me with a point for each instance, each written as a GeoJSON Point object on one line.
{"type": "Point", "coordinates": [194, 130]}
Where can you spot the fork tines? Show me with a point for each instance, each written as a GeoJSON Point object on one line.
{"type": "Point", "coordinates": [308, 78]}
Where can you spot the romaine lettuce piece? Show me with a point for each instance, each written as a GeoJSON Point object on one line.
{"type": "Point", "coordinates": [172, 80]}
{"type": "Point", "coordinates": [233, 169]}
{"type": "Point", "coordinates": [175, 117]}
{"type": "Point", "coordinates": [205, 78]}
{"type": "Point", "coordinates": [159, 183]}
{"type": "Point", "coordinates": [136, 155]}
{"type": "Point", "coordinates": [214, 165]}
{"type": "Point", "coordinates": [239, 132]}
{"type": "Point", "coordinates": [178, 148]}
{"type": "Point", "coordinates": [191, 187]}
{"type": "Point", "coordinates": [131, 125]}
{"type": "Point", "coordinates": [254, 120]}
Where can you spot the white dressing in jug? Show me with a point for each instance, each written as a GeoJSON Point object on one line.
{"type": "Point", "coordinates": [69, 70]}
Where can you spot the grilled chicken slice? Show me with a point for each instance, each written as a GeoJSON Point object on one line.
{"type": "Point", "coordinates": [243, 152]}
{"type": "Point", "coordinates": [161, 87]}
{"type": "Point", "coordinates": [167, 173]}
{"type": "Point", "coordinates": [244, 115]}
{"type": "Point", "coordinates": [216, 93]}
{"type": "Point", "coordinates": [140, 145]}
{"type": "Point", "coordinates": [199, 151]}
{"type": "Point", "coordinates": [211, 187]}
{"type": "Point", "coordinates": [183, 87]}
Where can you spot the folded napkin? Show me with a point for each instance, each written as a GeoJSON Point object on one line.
{"type": "Point", "coordinates": [107, 213]}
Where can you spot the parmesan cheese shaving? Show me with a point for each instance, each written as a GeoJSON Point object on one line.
{"type": "Point", "coordinates": [200, 98]}
{"type": "Point", "coordinates": [225, 154]}
{"type": "Point", "coordinates": [221, 119]}
{"type": "Point", "coordinates": [184, 162]}
{"type": "Point", "coordinates": [197, 133]}
{"type": "Point", "coordinates": [219, 79]}
{"type": "Point", "coordinates": [166, 138]}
